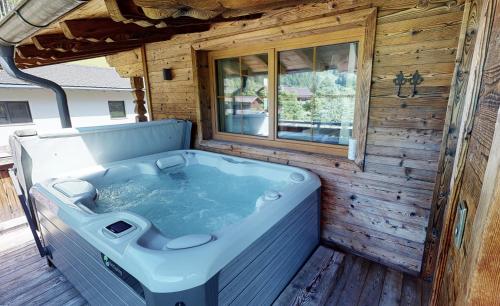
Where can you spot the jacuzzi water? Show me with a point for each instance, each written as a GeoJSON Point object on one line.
{"type": "Point", "coordinates": [197, 199]}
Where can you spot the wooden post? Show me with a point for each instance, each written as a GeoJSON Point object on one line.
{"type": "Point", "coordinates": [451, 129]}
{"type": "Point", "coordinates": [484, 283]}
{"type": "Point", "coordinates": [137, 84]}
{"type": "Point", "coordinates": [483, 47]}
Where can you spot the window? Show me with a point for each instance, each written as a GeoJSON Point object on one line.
{"type": "Point", "coordinates": [15, 112]}
{"type": "Point", "coordinates": [117, 109]}
{"type": "Point", "coordinates": [242, 95]}
{"type": "Point", "coordinates": [316, 93]}
{"type": "Point", "coordinates": [309, 93]}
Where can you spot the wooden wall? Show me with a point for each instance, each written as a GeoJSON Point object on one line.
{"type": "Point", "coordinates": [10, 207]}
{"type": "Point", "coordinates": [381, 213]}
{"type": "Point", "coordinates": [459, 266]}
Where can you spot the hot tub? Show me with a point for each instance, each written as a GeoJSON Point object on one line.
{"type": "Point", "coordinates": [181, 227]}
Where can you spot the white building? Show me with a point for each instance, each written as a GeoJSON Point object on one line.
{"type": "Point", "coordinates": [96, 96]}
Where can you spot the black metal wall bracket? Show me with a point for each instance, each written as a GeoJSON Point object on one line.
{"type": "Point", "coordinates": [399, 81]}
{"type": "Point", "coordinates": [414, 79]}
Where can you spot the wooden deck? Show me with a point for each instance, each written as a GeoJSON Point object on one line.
{"type": "Point", "coordinates": [25, 278]}
{"type": "Point", "coordinates": [332, 278]}
{"type": "Point", "coordinates": [328, 278]}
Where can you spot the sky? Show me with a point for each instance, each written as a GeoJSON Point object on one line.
{"type": "Point", "coordinates": [93, 62]}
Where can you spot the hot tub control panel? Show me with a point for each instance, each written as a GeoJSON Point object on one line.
{"type": "Point", "coordinates": [118, 229]}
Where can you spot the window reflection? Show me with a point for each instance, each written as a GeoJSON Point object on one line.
{"type": "Point", "coordinates": [242, 95]}
{"type": "Point", "coordinates": [316, 93]}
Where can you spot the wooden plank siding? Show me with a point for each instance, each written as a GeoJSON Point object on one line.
{"type": "Point", "coordinates": [380, 213]}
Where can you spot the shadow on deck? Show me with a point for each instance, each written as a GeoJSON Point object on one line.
{"type": "Point", "coordinates": [328, 278]}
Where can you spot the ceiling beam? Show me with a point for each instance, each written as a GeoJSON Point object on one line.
{"type": "Point", "coordinates": [227, 8]}
{"type": "Point", "coordinates": [67, 57]}
{"type": "Point", "coordinates": [106, 30]}
{"type": "Point", "coordinates": [32, 52]}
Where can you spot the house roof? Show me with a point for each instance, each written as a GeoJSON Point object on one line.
{"type": "Point", "coordinates": [71, 77]}
{"type": "Point", "coordinates": [301, 92]}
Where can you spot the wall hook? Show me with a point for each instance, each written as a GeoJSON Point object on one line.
{"type": "Point", "coordinates": [399, 81]}
{"type": "Point", "coordinates": [415, 79]}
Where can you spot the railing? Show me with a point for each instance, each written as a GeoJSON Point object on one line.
{"type": "Point", "coordinates": [7, 6]}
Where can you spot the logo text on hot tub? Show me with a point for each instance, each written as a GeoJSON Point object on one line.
{"type": "Point", "coordinates": [112, 266]}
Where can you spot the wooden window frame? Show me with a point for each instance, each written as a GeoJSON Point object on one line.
{"type": "Point", "coordinates": [361, 32]}
{"type": "Point", "coordinates": [8, 113]}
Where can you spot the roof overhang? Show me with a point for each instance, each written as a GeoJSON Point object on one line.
{"type": "Point", "coordinates": [105, 27]}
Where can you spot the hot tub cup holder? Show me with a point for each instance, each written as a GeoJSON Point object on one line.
{"type": "Point", "coordinates": [271, 195]}
{"type": "Point", "coordinates": [297, 177]}
{"type": "Point", "coordinates": [267, 197]}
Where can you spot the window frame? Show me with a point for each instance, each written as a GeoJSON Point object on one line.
{"type": "Point", "coordinates": [9, 119]}
{"type": "Point", "coordinates": [349, 27]}
{"type": "Point", "coordinates": [124, 109]}
{"type": "Point", "coordinates": [272, 139]}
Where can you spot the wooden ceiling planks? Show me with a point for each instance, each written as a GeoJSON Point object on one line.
{"type": "Point", "coordinates": [104, 26]}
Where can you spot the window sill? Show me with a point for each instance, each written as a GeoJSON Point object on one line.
{"type": "Point", "coordinates": [279, 155]}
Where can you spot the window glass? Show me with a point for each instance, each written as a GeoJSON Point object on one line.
{"type": "Point", "coordinates": [117, 109]}
{"type": "Point", "coordinates": [242, 95]}
{"type": "Point", "coordinates": [4, 116]}
{"type": "Point", "coordinates": [15, 112]}
{"type": "Point", "coordinates": [295, 93]}
{"type": "Point", "coordinates": [316, 93]}
{"type": "Point", "coordinates": [19, 112]}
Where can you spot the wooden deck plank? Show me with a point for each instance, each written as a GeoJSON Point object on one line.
{"type": "Point", "coordinates": [373, 286]}
{"type": "Point", "coordinates": [15, 239]}
{"type": "Point", "coordinates": [411, 293]}
{"type": "Point", "coordinates": [354, 284]}
{"type": "Point", "coordinates": [314, 282]}
{"type": "Point", "coordinates": [49, 291]}
{"type": "Point", "coordinates": [339, 286]}
{"type": "Point", "coordinates": [391, 292]}
{"type": "Point", "coordinates": [27, 272]}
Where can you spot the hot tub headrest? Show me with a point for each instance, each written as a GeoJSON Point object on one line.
{"type": "Point", "coordinates": [46, 155]}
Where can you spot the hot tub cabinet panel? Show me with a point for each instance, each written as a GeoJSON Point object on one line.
{"type": "Point", "coordinates": [248, 263]}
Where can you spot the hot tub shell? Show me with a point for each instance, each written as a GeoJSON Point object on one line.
{"type": "Point", "coordinates": [248, 263]}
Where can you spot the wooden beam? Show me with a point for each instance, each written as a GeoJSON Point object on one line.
{"type": "Point", "coordinates": [55, 57]}
{"type": "Point", "coordinates": [107, 30]}
{"type": "Point", "coordinates": [56, 41]}
{"type": "Point", "coordinates": [137, 84]}
{"type": "Point", "coordinates": [128, 64]}
{"type": "Point", "coordinates": [484, 284]}
{"type": "Point", "coordinates": [32, 52]}
{"type": "Point", "coordinates": [468, 32]}
{"type": "Point", "coordinates": [54, 46]}
{"type": "Point", "coordinates": [486, 17]}
{"type": "Point", "coordinates": [127, 12]}
{"type": "Point", "coordinates": [147, 81]}
{"type": "Point", "coordinates": [228, 8]}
